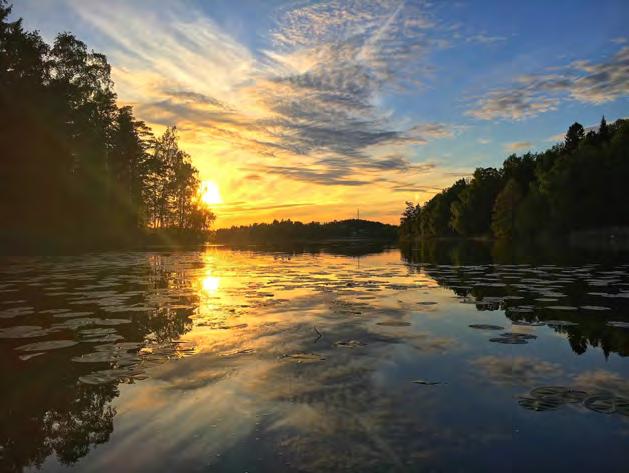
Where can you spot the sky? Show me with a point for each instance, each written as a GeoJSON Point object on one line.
{"type": "Point", "coordinates": [312, 110]}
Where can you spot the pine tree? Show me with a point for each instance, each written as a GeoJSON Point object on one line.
{"type": "Point", "coordinates": [603, 130]}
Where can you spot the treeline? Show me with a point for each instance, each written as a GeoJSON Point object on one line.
{"type": "Point", "coordinates": [576, 185]}
{"type": "Point", "coordinates": [75, 168]}
{"type": "Point", "coordinates": [290, 231]}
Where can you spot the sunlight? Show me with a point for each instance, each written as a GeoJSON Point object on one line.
{"type": "Point", "coordinates": [210, 284]}
{"type": "Point", "coordinates": [210, 194]}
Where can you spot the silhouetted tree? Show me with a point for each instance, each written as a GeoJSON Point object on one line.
{"type": "Point", "coordinates": [574, 136]}
{"type": "Point", "coordinates": [505, 208]}
{"type": "Point", "coordinates": [410, 221]}
{"type": "Point", "coordinates": [74, 167]}
{"type": "Point", "coordinates": [578, 185]}
{"type": "Point", "coordinates": [603, 130]}
{"type": "Point", "coordinates": [471, 212]}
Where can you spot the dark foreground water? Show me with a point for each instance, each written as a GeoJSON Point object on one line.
{"type": "Point", "coordinates": [244, 361]}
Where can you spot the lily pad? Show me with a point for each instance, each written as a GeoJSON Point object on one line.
{"type": "Point", "coordinates": [104, 376]}
{"type": "Point", "coordinates": [486, 327]}
{"type": "Point", "coordinates": [29, 356]}
{"type": "Point", "coordinates": [508, 341]}
{"type": "Point", "coordinates": [560, 323]}
{"type": "Point", "coordinates": [618, 324]}
{"type": "Point", "coordinates": [622, 406]}
{"type": "Point", "coordinates": [566, 394]}
{"type": "Point", "coordinates": [427, 383]}
{"type": "Point", "coordinates": [522, 336]}
{"type": "Point", "coordinates": [304, 357]}
{"type": "Point", "coordinates": [520, 310]}
{"type": "Point", "coordinates": [24, 331]}
{"type": "Point", "coordinates": [349, 343]}
{"type": "Point", "coordinates": [604, 403]}
{"type": "Point", "coordinates": [45, 346]}
{"type": "Point", "coordinates": [547, 403]}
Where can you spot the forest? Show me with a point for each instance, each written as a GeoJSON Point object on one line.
{"type": "Point", "coordinates": [577, 185]}
{"type": "Point", "coordinates": [78, 170]}
{"type": "Point", "coordinates": [290, 231]}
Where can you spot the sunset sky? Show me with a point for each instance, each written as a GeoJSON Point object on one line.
{"type": "Point", "coordinates": [309, 110]}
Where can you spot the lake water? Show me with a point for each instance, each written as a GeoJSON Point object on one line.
{"type": "Point", "coordinates": [269, 361]}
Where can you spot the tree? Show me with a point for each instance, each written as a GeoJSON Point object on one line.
{"type": "Point", "coordinates": [130, 142]}
{"type": "Point", "coordinates": [94, 174]}
{"type": "Point", "coordinates": [603, 131]}
{"type": "Point", "coordinates": [436, 215]}
{"type": "Point", "coordinates": [574, 136]}
{"type": "Point", "coordinates": [579, 185]}
{"type": "Point", "coordinates": [410, 221]}
{"type": "Point", "coordinates": [505, 208]}
{"type": "Point", "coordinates": [471, 213]}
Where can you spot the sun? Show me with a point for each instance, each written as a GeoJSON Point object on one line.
{"type": "Point", "coordinates": [210, 194]}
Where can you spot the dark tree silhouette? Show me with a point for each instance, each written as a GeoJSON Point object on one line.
{"type": "Point", "coordinates": [289, 231]}
{"type": "Point", "coordinates": [575, 186]}
{"type": "Point", "coordinates": [603, 130]}
{"type": "Point", "coordinates": [574, 136]}
{"type": "Point", "coordinates": [76, 169]}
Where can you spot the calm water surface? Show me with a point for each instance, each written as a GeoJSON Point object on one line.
{"type": "Point", "coordinates": [220, 360]}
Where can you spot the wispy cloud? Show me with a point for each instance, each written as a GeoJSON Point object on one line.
{"type": "Point", "coordinates": [518, 146]}
{"type": "Point", "coordinates": [582, 81]}
{"type": "Point", "coordinates": [484, 38]}
{"type": "Point", "coordinates": [310, 101]}
{"type": "Point", "coordinates": [309, 97]}
{"type": "Point", "coordinates": [517, 370]}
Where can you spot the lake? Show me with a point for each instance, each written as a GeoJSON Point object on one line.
{"type": "Point", "coordinates": [338, 359]}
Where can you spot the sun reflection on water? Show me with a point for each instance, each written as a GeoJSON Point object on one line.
{"type": "Point", "coordinates": [210, 284]}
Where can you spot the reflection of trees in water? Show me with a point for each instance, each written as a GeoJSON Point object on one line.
{"type": "Point", "coordinates": [341, 248]}
{"type": "Point", "coordinates": [45, 410]}
{"type": "Point", "coordinates": [61, 417]}
{"type": "Point", "coordinates": [460, 251]}
{"type": "Point", "coordinates": [582, 329]}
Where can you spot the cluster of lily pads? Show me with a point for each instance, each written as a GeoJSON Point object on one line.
{"type": "Point", "coordinates": [507, 338]}
{"type": "Point", "coordinates": [548, 398]}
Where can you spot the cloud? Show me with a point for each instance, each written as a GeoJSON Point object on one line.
{"type": "Point", "coordinates": [600, 380]}
{"type": "Point", "coordinates": [518, 370]}
{"type": "Point", "coordinates": [483, 38]}
{"type": "Point", "coordinates": [581, 81]}
{"type": "Point", "coordinates": [512, 104]}
{"type": "Point", "coordinates": [327, 177]}
{"type": "Point", "coordinates": [313, 93]}
{"type": "Point", "coordinates": [518, 146]}
{"type": "Point", "coordinates": [559, 137]}
{"type": "Point", "coordinates": [303, 107]}
{"type": "Point", "coordinates": [433, 130]}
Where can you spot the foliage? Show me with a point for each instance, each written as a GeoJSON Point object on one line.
{"type": "Point", "coordinates": [75, 168]}
{"type": "Point", "coordinates": [573, 186]}
{"type": "Point", "coordinates": [435, 216]}
{"type": "Point", "coordinates": [409, 223]}
{"type": "Point", "coordinates": [471, 212]}
{"type": "Point", "coordinates": [504, 211]}
{"type": "Point", "coordinates": [289, 231]}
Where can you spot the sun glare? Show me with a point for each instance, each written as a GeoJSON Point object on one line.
{"type": "Point", "coordinates": [210, 194]}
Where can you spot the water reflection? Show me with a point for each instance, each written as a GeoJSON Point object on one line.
{"type": "Point", "coordinates": [315, 361]}
{"type": "Point", "coordinates": [210, 284]}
